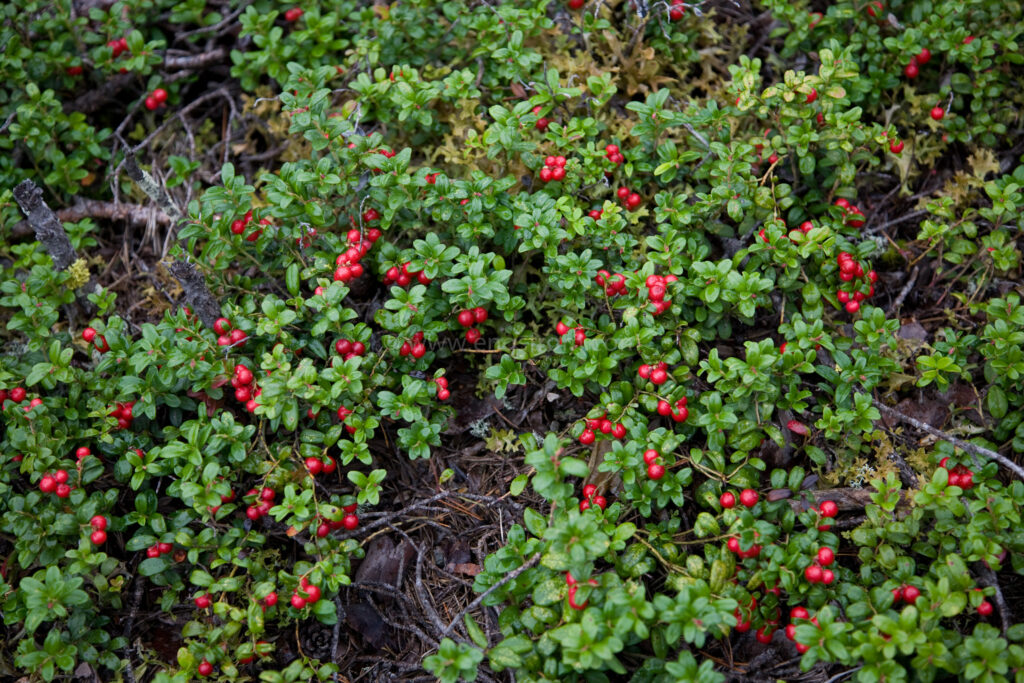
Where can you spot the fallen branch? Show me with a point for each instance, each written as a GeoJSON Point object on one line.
{"type": "Point", "coordinates": [197, 294]}
{"type": "Point", "coordinates": [483, 596]}
{"type": "Point", "coordinates": [195, 61]}
{"type": "Point", "coordinates": [91, 208]}
{"type": "Point", "coordinates": [973, 450]}
{"type": "Point", "coordinates": [48, 228]}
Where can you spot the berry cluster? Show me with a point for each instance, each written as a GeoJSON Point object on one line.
{"type": "Point", "coordinates": [657, 288]}
{"type": "Point", "coordinates": [853, 216]}
{"type": "Point", "coordinates": [631, 199]}
{"type": "Point", "coordinates": [349, 521]}
{"type": "Point", "coordinates": [852, 295]}
{"type": "Point", "coordinates": [239, 225]}
{"type": "Point", "coordinates": [579, 336]}
{"type": "Point", "coordinates": [56, 483]}
{"type": "Point", "coordinates": [16, 395]}
{"type": "Point", "coordinates": [748, 498]}
{"type": "Point", "coordinates": [305, 594]}
{"type": "Point", "coordinates": [343, 414]}
{"type": "Point", "coordinates": [605, 426]}
{"type": "Point", "coordinates": [573, 586]}
{"type": "Point", "coordinates": [612, 153]}
{"type": "Point", "coordinates": [733, 544]}
{"type": "Point", "coordinates": [403, 277]}
{"type": "Point", "coordinates": [118, 46]}
{"type": "Point", "coordinates": [591, 498]}
{"type": "Point", "coordinates": [98, 341]}
{"type": "Point", "coordinates": [554, 169]}
{"type": "Point", "coordinates": [817, 572]}
{"type": "Point", "coordinates": [316, 465]}
{"type": "Point", "coordinates": [907, 594]}
{"type": "Point", "coordinates": [262, 501]}
{"type": "Point", "coordinates": [442, 389]}
{"type": "Point", "coordinates": [347, 348]}
{"type": "Point", "coordinates": [796, 614]}
{"type": "Point", "coordinates": [614, 284]}
{"type": "Point", "coordinates": [658, 373]}
{"type": "Point", "coordinates": [417, 349]}
{"type": "Point", "coordinates": [99, 527]}
{"type": "Point", "coordinates": [678, 413]}
{"type": "Point", "coordinates": [470, 317]}
{"type": "Point", "coordinates": [959, 475]}
{"type": "Point", "coordinates": [246, 390]}
{"type": "Point", "coordinates": [655, 470]}
{"type": "Point", "coordinates": [916, 61]}
{"type": "Point", "coordinates": [158, 549]}
{"type": "Point", "coordinates": [155, 99]}
{"type": "Point", "coordinates": [596, 214]}
{"type": "Point", "coordinates": [124, 414]}
{"type": "Point", "coordinates": [226, 335]}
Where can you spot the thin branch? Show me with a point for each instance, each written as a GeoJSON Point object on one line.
{"type": "Point", "coordinates": [905, 291]}
{"type": "Point", "coordinates": [203, 59]}
{"type": "Point", "coordinates": [483, 596]}
{"type": "Point", "coordinates": [973, 450]}
{"type": "Point", "coordinates": [421, 592]}
{"type": "Point", "coordinates": [135, 214]}
{"type": "Point", "coordinates": [990, 579]}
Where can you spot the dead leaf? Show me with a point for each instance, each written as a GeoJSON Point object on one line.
{"type": "Point", "coordinates": [469, 569]}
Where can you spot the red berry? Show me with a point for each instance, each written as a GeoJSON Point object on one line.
{"type": "Point", "coordinates": [298, 602]}
{"type": "Point", "coordinates": [764, 634]}
{"type": "Point", "coordinates": [727, 500]}
{"type": "Point", "coordinates": [651, 456]}
{"type": "Point", "coordinates": [98, 522]}
{"type": "Point", "coordinates": [985, 608]}
{"type": "Point", "coordinates": [896, 147]}
{"type": "Point", "coordinates": [203, 601]}
{"type": "Point", "coordinates": [204, 668]}
{"type": "Point", "coordinates": [938, 113]}
{"type": "Point", "coordinates": [911, 594]}
{"type": "Point", "coordinates": [814, 574]}
{"type": "Point", "coordinates": [293, 14]}
{"type": "Point", "coordinates": [160, 95]}
{"type": "Point", "coordinates": [151, 103]}
{"type": "Point", "coordinates": [852, 306]}
{"type": "Point", "coordinates": [733, 544]}
{"type": "Point", "coordinates": [466, 318]}
{"type": "Point", "coordinates": [98, 537]}
{"type": "Point", "coordinates": [924, 56]}
{"type": "Point", "coordinates": [633, 201]}
{"type": "Point", "coordinates": [271, 599]}
{"type": "Point", "coordinates": [314, 465]}
{"type": "Point", "coordinates": [813, 95]}
{"type": "Point", "coordinates": [350, 521]}
{"type": "Point", "coordinates": [164, 548]}
{"type": "Point", "coordinates": [655, 471]}
{"type": "Point", "coordinates": [587, 437]}
{"type": "Point", "coordinates": [313, 592]}
{"type": "Point", "coordinates": [664, 408]}
{"type": "Point", "coordinates": [88, 334]}
{"type": "Point", "coordinates": [911, 70]}
{"type": "Point", "coordinates": [659, 376]}
{"type": "Point", "coordinates": [622, 192]}
{"type": "Point", "coordinates": [829, 508]}
{"type": "Point", "coordinates": [826, 556]}
{"type": "Point", "coordinates": [480, 314]}
{"type": "Point", "coordinates": [748, 498]}
{"type": "Point", "coordinates": [222, 326]}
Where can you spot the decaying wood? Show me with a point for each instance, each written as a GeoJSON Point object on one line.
{"type": "Point", "coordinates": [47, 226]}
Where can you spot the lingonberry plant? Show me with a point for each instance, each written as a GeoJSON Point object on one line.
{"type": "Point", "coordinates": [660, 327]}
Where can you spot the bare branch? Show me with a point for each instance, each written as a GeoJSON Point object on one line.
{"type": "Point", "coordinates": [47, 226]}
{"type": "Point", "coordinates": [483, 596]}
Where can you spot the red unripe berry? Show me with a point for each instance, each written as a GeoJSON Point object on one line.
{"type": "Point", "coordinates": [727, 500]}
{"type": "Point", "coordinates": [748, 498]}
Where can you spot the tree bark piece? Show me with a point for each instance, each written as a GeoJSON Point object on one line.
{"type": "Point", "coordinates": [197, 294]}
{"type": "Point", "coordinates": [92, 208]}
{"type": "Point", "coordinates": [47, 226]}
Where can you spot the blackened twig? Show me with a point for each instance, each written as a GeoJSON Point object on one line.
{"type": "Point", "coordinates": [905, 291]}
{"type": "Point", "coordinates": [197, 294]}
{"type": "Point", "coordinates": [47, 226]}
